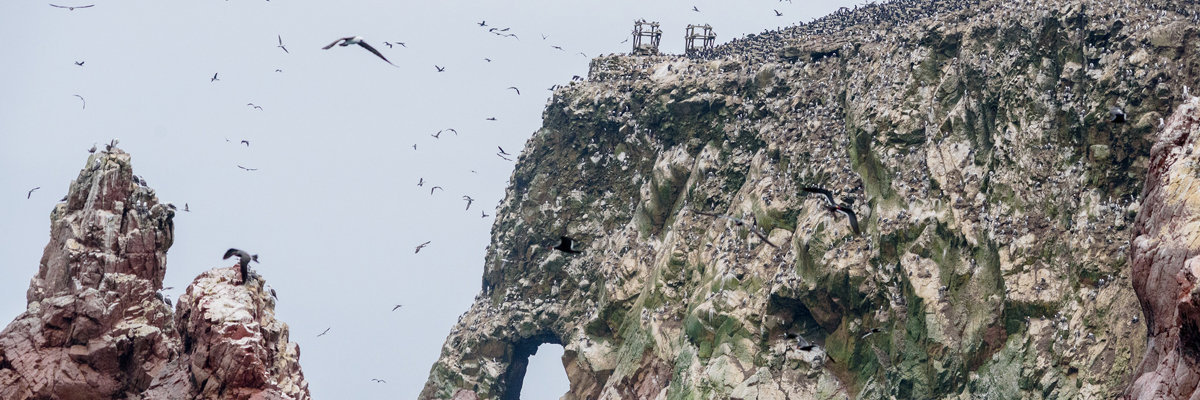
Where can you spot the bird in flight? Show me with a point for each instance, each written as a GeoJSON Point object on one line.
{"type": "Point", "coordinates": [695, 9]}
{"type": "Point", "coordinates": [326, 331]}
{"type": "Point", "coordinates": [469, 201]}
{"type": "Point", "coordinates": [79, 63]}
{"type": "Point", "coordinates": [566, 245]}
{"type": "Point", "coordinates": [505, 158]}
{"type": "Point", "coordinates": [397, 307]}
{"type": "Point", "coordinates": [777, 13]}
{"type": "Point", "coordinates": [434, 188]}
{"type": "Point", "coordinates": [741, 222]}
{"type": "Point", "coordinates": [185, 208]}
{"type": "Point", "coordinates": [558, 47]}
{"type": "Point", "coordinates": [831, 205]}
{"type": "Point", "coordinates": [502, 151]}
{"type": "Point", "coordinates": [482, 214]}
{"type": "Point", "coordinates": [71, 8]}
{"type": "Point", "coordinates": [421, 246]}
{"type": "Point", "coordinates": [482, 23]}
{"type": "Point", "coordinates": [30, 193]}
{"type": "Point", "coordinates": [515, 88]}
{"type": "Point", "coordinates": [346, 41]}
{"type": "Point", "coordinates": [389, 45]}
{"type": "Point", "coordinates": [378, 380]}
{"type": "Point", "coordinates": [420, 181]}
{"type": "Point", "coordinates": [247, 169]}
{"type": "Point", "coordinates": [214, 78]}
{"type": "Point", "coordinates": [281, 43]}
{"type": "Point", "coordinates": [246, 142]}
{"type": "Point", "coordinates": [84, 101]}
{"type": "Point", "coordinates": [440, 68]}
{"type": "Point", "coordinates": [244, 259]}
{"type": "Point", "coordinates": [491, 118]}
{"type": "Point", "coordinates": [259, 108]}
{"type": "Point", "coordinates": [452, 130]}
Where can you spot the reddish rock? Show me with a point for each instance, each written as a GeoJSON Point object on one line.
{"type": "Point", "coordinates": [96, 327]}
{"type": "Point", "coordinates": [1164, 263]}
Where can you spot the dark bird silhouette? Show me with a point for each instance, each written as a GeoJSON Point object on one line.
{"type": "Point", "coordinates": [695, 9]}
{"type": "Point", "coordinates": [515, 88]}
{"type": "Point", "coordinates": [324, 332]}
{"type": "Point", "coordinates": [259, 108]}
{"type": "Point", "coordinates": [503, 157]}
{"type": "Point", "coordinates": [420, 181]}
{"type": "Point", "coordinates": [741, 222]}
{"type": "Point", "coordinates": [849, 214]}
{"type": "Point", "coordinates": [777, 13]}
{"type": "Point", "coordinates": [421, 246]}
{"type": "Point", "coordinates": [502, 151]}
{"type": "Point", "coordinates": [434, 188]}
{"type": "Point", "coordinates": [246, 142]}
{"type": "Point", "coordinates": [71, 8]}
{"type": "Point", "coordinates": [244, 259]}
{"type": "Point", "coordinates": [79, 63]}
{"type": "Point", "coordinates": [436, 135]}
{"type": "Point", "coordinates": [214, 78]}
{"type": "Point", "coordinates": [833, 206]}
{"type": "Point", "coordinates": [281, 44]}
{"type": "Point", "coordinates": [491, 118]}
{"type": "Point", "coordinates": [452, 131]}
{"type": "Point", "coordinates": [378, 380]}
{"type": "Point", "coordinates": [84, 101]}
{"type": "Point", "coordinates": [278, 70]}
{"type": "Point", "coordinates": [346, 41]}
{"type": "Point", "coordinates": [487, 59]}
{"type": "Point", "coordinates": [567, 245]}
{"type": "Point", "coordinates": [482, 23]}
{"type": "Point", "coordinates": [469, 201]}
{"type": "Point", "coordinates": [397, 307]}
{"type": "Point", "coordinates": [29, 194]}
{"type": "Point", "coordinates": [583, 54]}
{"type": "Point", "coordinates": [247, 169]}
{"type": "Point", "coordinates": [558, 47]}
{"type": "Point", "coordinates": [1118, 115]}
{"type": "Point", "coordinates": [185, 208]}
{"type": "Point", "coordinates": [482, 214]}
{"type": "Point", "coordinates": [439, 68]}
{"type": "Point", "coordinates": [828, 195]}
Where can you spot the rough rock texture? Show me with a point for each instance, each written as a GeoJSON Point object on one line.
{"type": "Point", "coordinates": [97, 328]}
{"type": "Point", "coordinates": [1165, 265]}
{"type": "Point", "coordinates": [995, 197]}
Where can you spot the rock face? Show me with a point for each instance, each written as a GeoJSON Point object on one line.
{"type": "Point", "coordinates": [995, 198]}
{"type": "Point", "coordinates": [96, 326]}
{"type": "Point", "coordinates": [1165, 265]}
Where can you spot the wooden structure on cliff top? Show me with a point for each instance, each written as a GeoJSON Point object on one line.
{"type": "Point", "coordinates": [706, 36]}
{"type": "Point", "coordinates": [648, 30]}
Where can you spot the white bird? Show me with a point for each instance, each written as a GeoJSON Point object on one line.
{"type": "Point", "coordinates": [346, 41]}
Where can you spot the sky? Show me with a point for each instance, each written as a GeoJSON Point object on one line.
{"type": "Point", "coordinates": [333, 209]}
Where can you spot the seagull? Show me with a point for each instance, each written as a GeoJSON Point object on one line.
{"type": "Point", "coordinates": [437, 135]}
{"type": "Point", "coordinates": [278, 70]}
{"type": "Point", "coordinates": [583, 54]}
{"type": "Point", "coordinates": [71, 8]}
{"type": "Point", "coordinates": [741, 222]}
{"type": "Point", "coordinates": [469, 201]}
{"type": "Point", "coordinates": [281, 43]}
{"type": "Point", "coordinates": [777, 13]}
{"type": "Point", "coordinates": [491, 118]}
{"type": "Point", "coordinates": [439, 68]}
{"type": "Point", "coordinates": [214, 78]}
{"type": "Point", "coordinates": [502, 151]}
{"type": "Point", "coordinates": [259, 108]}
{"type": "Point", "coordinates": [346, 41]}
{"type": "Point", "coordinates": [326, 331]}
{"type": "Point", "coordinates": [185, 208]}
{"type": "Point", "coordinates": [558, 47]}
{"type": "Point", "coordinates": [695, 9]}
{"type": "Point", "coordinates": [30, 193]}
{"type": "Point", "coordinates": [434, 188]}
{"type": "Point", "coordinates": [246, 142]}
{"type": "Point", "coordinates": [244, 259]}
{"type": "Point", "coordinates": [872, 331]}
{"type": "Point", "coordinates": [93, 149]}
{"type": "Point", "coordinates": [378, 380]}
{"type": "Point", "coordinates": [834, 207]}
{"type": "Point", "coordinates": [79, 63]}
{"type": "Point", "coordinates": [1118, 115]}
{"type": "Point", "coordinates": [566, 245]}
{"type": "Point", "coordinates": [482, 214]}
{"type": "Point", "coordinates": [421, 246]}
{"type": "Point", "coordinates": [247, 169]}
{"type": "Point", "coordinates": [482, 23]}
{"type": "Point", "coordinates": [421, 182]}
{"type": "Point", "coordinates": [452, 130]}
{"type": "Point", "coordinates": [487, 59]}
{"type": "Point", "coordinates": [515, 88]}
{"type": "Point", "coordinates": [505, 158]}
{"type": "Point", "coordinates": [397, 307]}
{"type": "Point", "coordinates": [84, 101]}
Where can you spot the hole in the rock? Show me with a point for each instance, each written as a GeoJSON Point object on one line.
{"type": "Point", "coordinates": [545, 377]}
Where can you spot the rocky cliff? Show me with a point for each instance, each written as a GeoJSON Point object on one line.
{"type": "Point", "coordinates": [97, 326]}
{"type": "Point", "coordinates": [996, 197]}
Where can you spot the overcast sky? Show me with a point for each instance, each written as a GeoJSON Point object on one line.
{"type": "Point", "coordinates": [334, 209]}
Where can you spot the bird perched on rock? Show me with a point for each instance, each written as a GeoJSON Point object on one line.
{"type": "Point", "coordinates": [1118, 115]}
{"type": "Point", "coordinates": [566, 245]}
{"type": "Point", "coordinates": [244, 259]}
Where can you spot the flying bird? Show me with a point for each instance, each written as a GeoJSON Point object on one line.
{"type": "Point", "coordinates": [566, 245]}
{"type": "Point", "coordinates": [71, 8]}
{"type": "Point", "coordinates": [346, 41]}
{"type": "Point", "coordinates": [695, 9]}
{"type": "Point", "coordinates": [558, 47]}
{"type": "Point", "coordinates": [482, 23]}
{"type": "Point", "coordinates": [849, 214]}
{"type": "Point", "coordinates": [326, 331]}
{"type": "Point", "coordinates": [214, 78]}
{"type": "Point", "coordinates": [281, 43]}
{"type": "Point", "coordinates": [487, 59]}
{"type": "Point", "coordinates": [185, 208]}
{"type": "Point", "coordinates": [247, 169]}
{"type": "Point", "coordinates": [397, 307]}
{"type": "Point", "coordinates": [828, 195]}
{"type": "Point", "coordinates": [491, 118]}
{"type": "Point", "coordinates": [1118, 115]}
{"type": "Point", "coordinates": [278, 70]}
{"type": "Point", "coordinates": [833, 206]}
{"type": "Point", "coordinates": [30, 193]}
{"type": "Point", "coordinates": [434, 188]}
{"type": "Point", "coordinates": [777, 13]}
{"type": "Point", "coordinates": [244, 259]}
{"type": "Point", "coordinates": [515, 88]}
{"type": "Point", "coordinates": [482, 214]}
{"type": "Point", "coordinates": [469, 201]}
{"type": "Point", "coordinates": [421, 246]}
{"type": "Point", "coordinates": [84, 101]}
{"type": "Point", "coordinates": [246, 142]}
{"type": "Point", "coordinates": [378, 380]}
{"type": "Point", "coordinates": [741, 222]}
{"type": "Point", "coordinates": [79, 63]}
{"type": "Point", "coordinates": [502, 151]}
{"type": "Point", "coordinates": [259, 108]}
{"type": "Point", "coordinates": [505, 158]}
{"type": "Point", "coordinates": [439, 68]}
{"type": "Point", "coordinates": [421, 182]}
{"type": "Point", "coordinates": [452, 130]}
